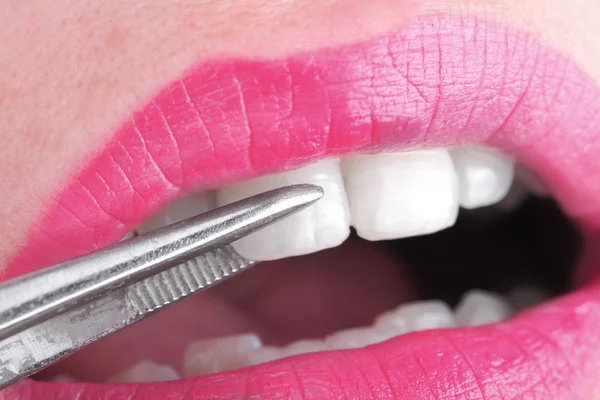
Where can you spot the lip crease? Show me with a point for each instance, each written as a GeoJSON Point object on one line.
{"type": "Point", "coordinates": [445, 80]}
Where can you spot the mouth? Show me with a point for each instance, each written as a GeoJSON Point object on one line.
{"type": "Point", "coordinates": [400, 130]}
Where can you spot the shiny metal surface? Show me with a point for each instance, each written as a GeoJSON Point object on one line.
{"type": "Point", "coordinates": [47, 315]}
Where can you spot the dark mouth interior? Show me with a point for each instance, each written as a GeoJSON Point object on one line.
{"type": "Point", "coordinates": [312, 296]}
{"type": "Point", "coordinates": [535, 245]}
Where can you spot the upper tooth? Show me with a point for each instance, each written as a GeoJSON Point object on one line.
{"type": "Point", "coordinates": [399, 195]}
{"type": "Point", "coordinates": [179, 210]}
{"type": "Point", "coordinates": [485, 175]}
{"type": "Point", "coordinates": [418, 316]}
{"type": "Point", "coordinates": [481, 308]}
{"type": "Point", "coordinates": [320, 226]}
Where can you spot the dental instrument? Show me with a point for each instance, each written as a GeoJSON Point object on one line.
{"type": "Point", "coordinates": [49, 314]}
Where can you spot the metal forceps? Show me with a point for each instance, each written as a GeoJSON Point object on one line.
{"type": "Point", "coordinates": [47, 315]}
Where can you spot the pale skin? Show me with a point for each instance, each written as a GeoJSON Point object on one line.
{"type": "Point", "coordinates": [71, 71]}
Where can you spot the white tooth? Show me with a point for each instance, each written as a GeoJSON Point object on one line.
{"type": "Point", "coordinates": [209, 356]}
{"type": "Point", "coordinates": [360, 337]}
{"type": "Point", "coordinates": [481, 308]}
{"type": "Point", "coordinates": [320, 226]}
{"type": "Point", "coordinates": [264, 354]}
{"type": "Point", "coordinates": [485, 175]}
{"type": "Point", "coordinates": [146, 371]}
{"type": "Point", "coordinates": [523, 297]}
{"type": "Point", "coordinates": [304, 346]}
{"type": "Point", "coordinates": [396, 195]}
{"type": "Point", "coordinates": [179, 210]}
{"type": "Point", "coordinates": [418, 316]}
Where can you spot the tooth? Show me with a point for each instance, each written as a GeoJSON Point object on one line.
{"type": "Point", "coordinates": [146, 371]}
{"type": "Point", "coordinates": [360, 337]}
{"type": "Point", "coordinates": [485, 175]}
{"type": "Point", "coordinates": [303, 347]}
{"type": "Point", "coordinates": [418, 316]}
{"type": "Point", "coordinates": [264, 354]}
{"type": "Point", "coordinates": [209, 356]}
{"type": "Point", "coordinates": [179, 210]}
{"type": "Point", "coordinates": [480, 308]}
{"type": "Point", "coordinates": [396, 195]}
{"type": "Point", "coordinates": [523, 297]}
{"type": "Point", "coordinates": [321, 226]}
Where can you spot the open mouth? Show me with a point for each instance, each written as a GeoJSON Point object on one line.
{"type": "Point", "coordinates": [389, 128]}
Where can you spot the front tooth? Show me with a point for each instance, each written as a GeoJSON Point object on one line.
{"type": "Point", "coordinates": [480, 308]}
{"type": "Point", "coordinates": [396, 195]}
{"type": "Point", "coordinates": [418, 316]}
{"type": "Point", "coordinates": [320, 226]}
{"type": "Point", "coordinates": [485, 175]}
{"type": "Point", "coordinates": [179, 210]}
{"type": "Point", "coordinates": [146, 371]}
{"type": "Point", "coordinates": [209, 356]}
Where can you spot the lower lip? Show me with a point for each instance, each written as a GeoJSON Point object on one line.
{"type": "Point", "coordinates": [434, 84]}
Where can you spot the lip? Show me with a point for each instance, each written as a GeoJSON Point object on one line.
{"type": "Point", "coordinates": [445, 80]}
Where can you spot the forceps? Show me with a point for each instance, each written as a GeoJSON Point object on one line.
{"type": "Point", "coordinates": [46, 315]}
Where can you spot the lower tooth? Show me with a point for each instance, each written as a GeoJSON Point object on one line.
{"type": "Point", "coordinates": [397, 195]}
{"type": "Point", "coordinates": [418, 316]}
{"type": "Point", "coordinates": [146, 371]}
{"type": "Point", "coordinates": [360, 337]}
{"type": "Point", "coordinates": [62, 378]}
{"type": "Point", "coordinates": [303, 347]}
{"type": "Point", "coordinates": [226, 353]}
{"type": "Point", "coordinates": [524, 297]}
{"type": "Point", "coordinates": [210, 356]}
{"type": "Point", "coordinates": [480, 308]}
{"type": "Point", "coordinates": [485, 175]}
{"type": "Point", "coordinates": [323, 225]}
{"type": "Point", "coordinates": [264, 354]}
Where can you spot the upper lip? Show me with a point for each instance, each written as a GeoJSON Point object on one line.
{"type": "Point", "coordinates": [233, 119]}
